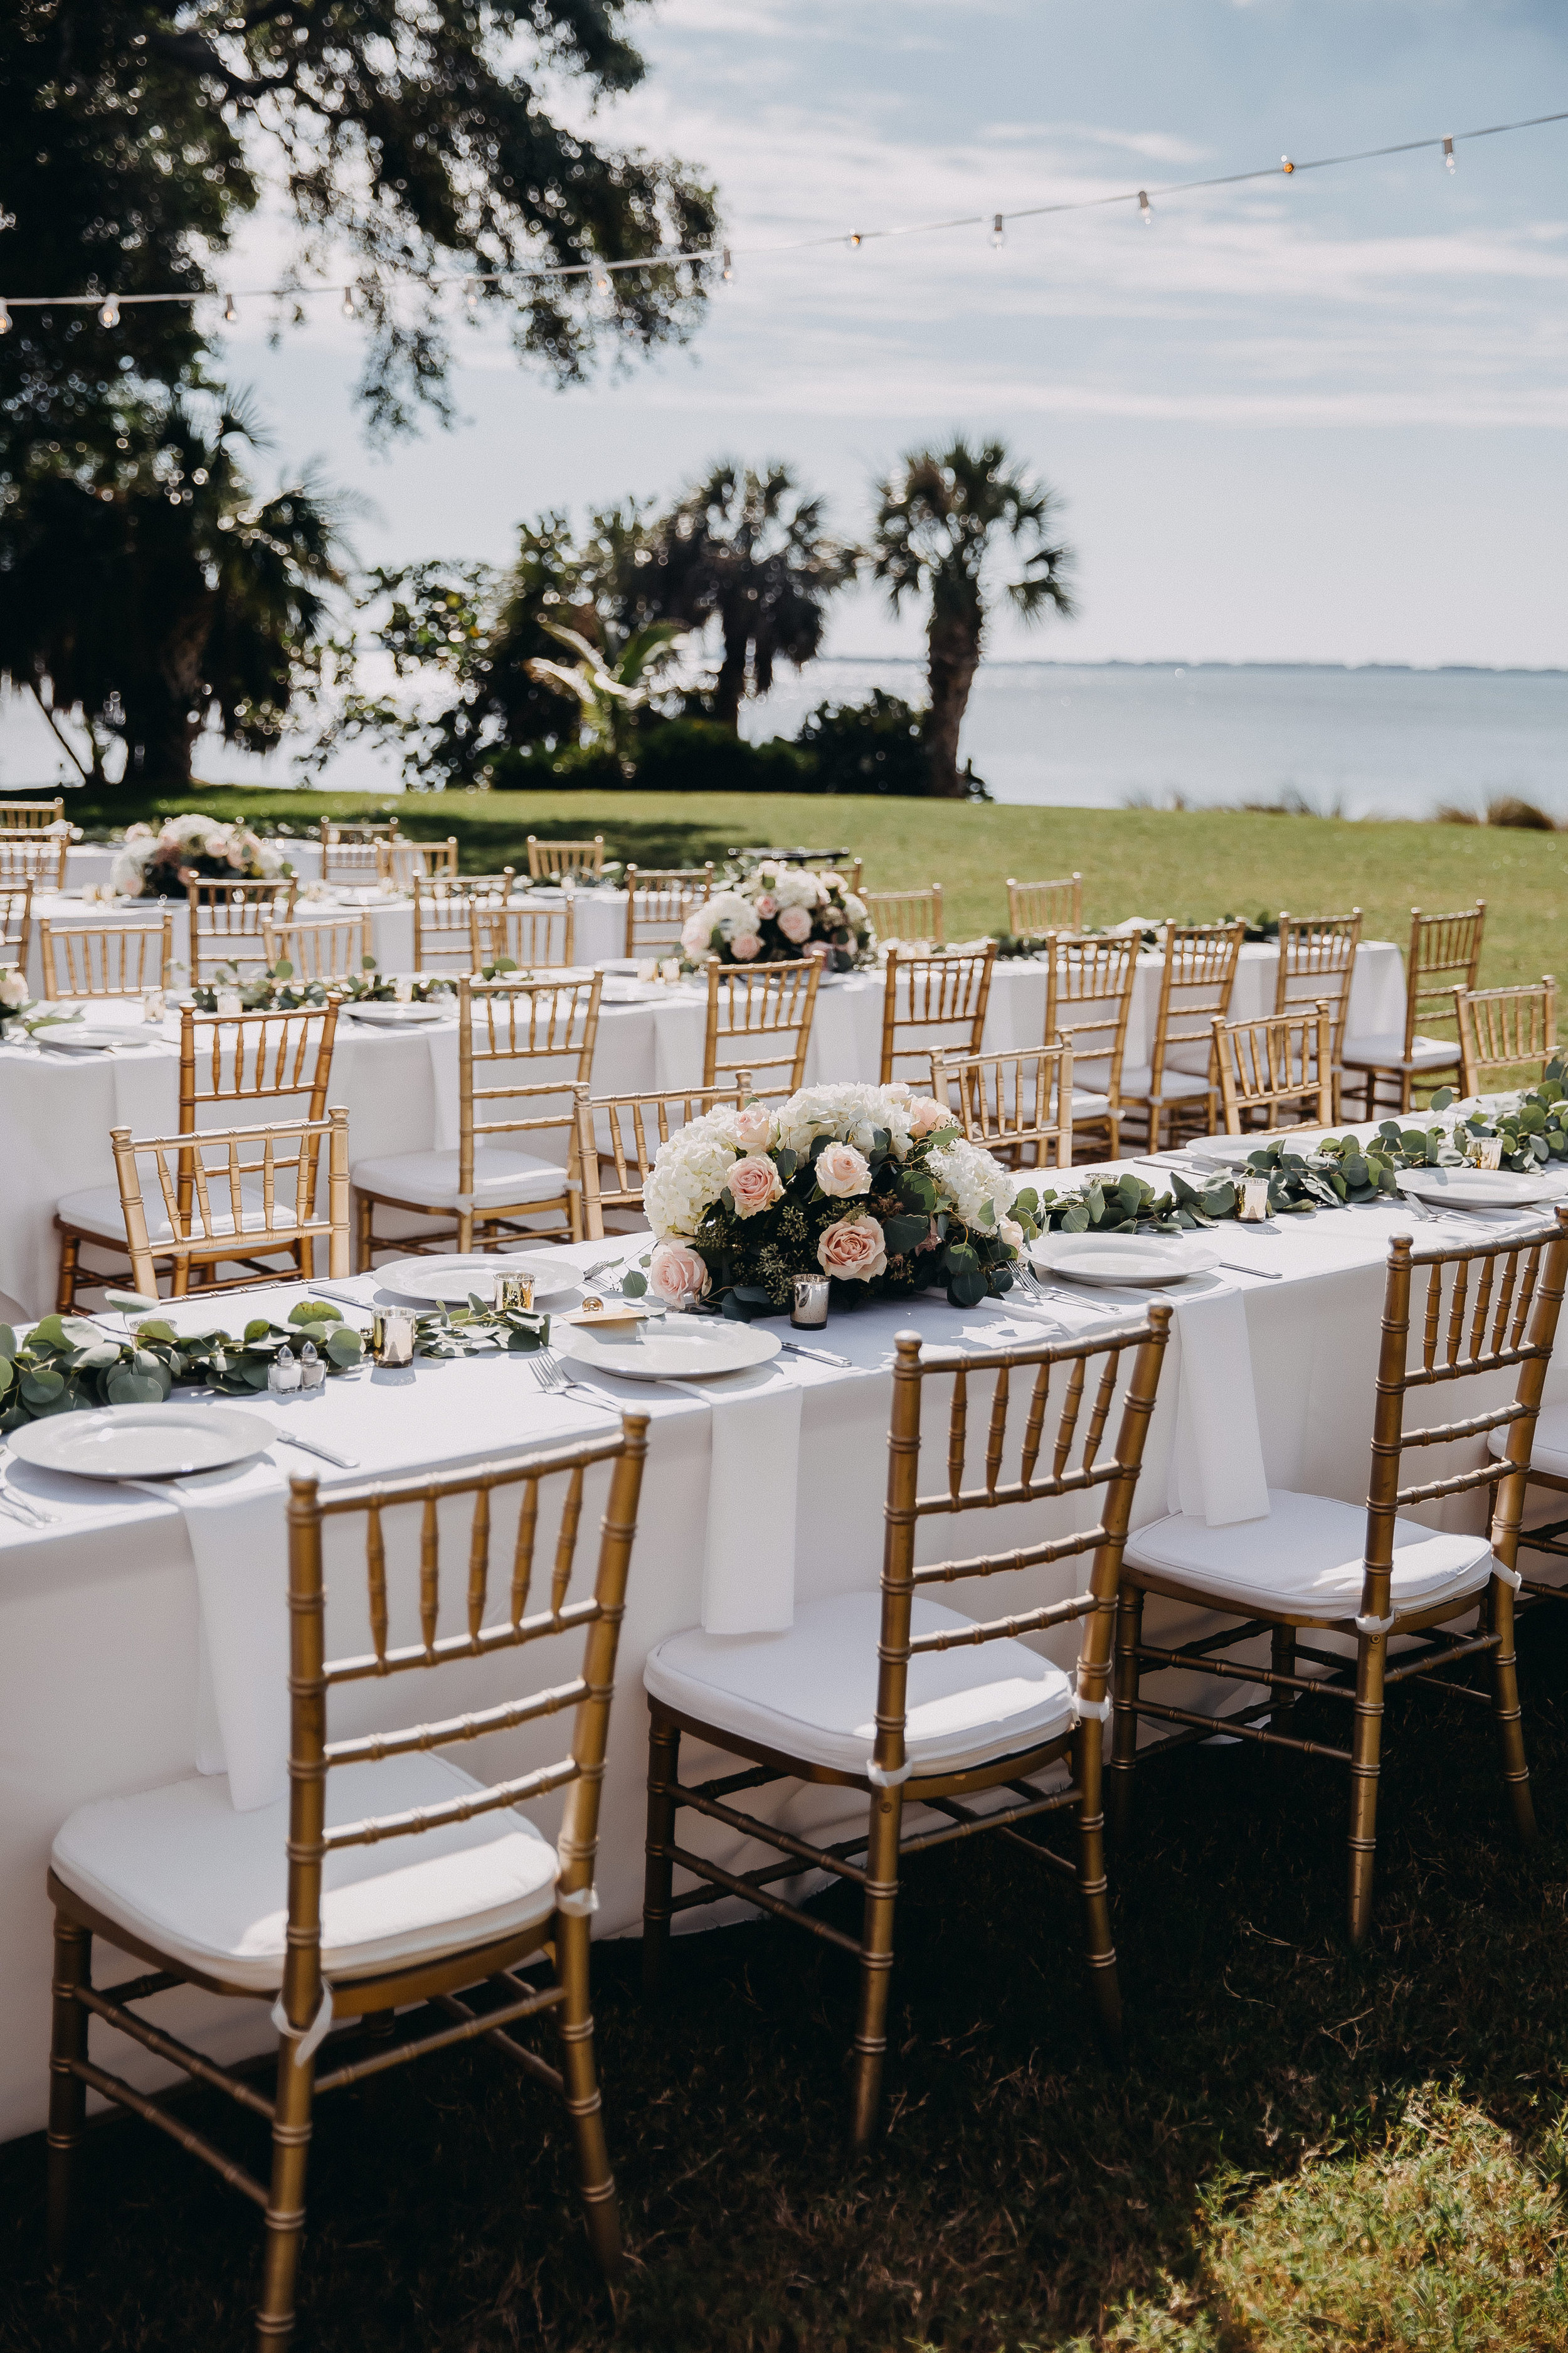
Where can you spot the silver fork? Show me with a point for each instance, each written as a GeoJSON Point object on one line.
{"type": "Point", "coordinates": [24, 1505]}
{"type": "Point", "coordinates": [551, 1377]}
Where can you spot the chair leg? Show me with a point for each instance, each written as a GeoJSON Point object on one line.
{"type": "Point", "coordinates": [1283, 1658]}
{"type": "Point", "coordinates": [583, 2103]}
{"type": "Point", "coordinates": [876, 1961]}
{"type": "Point", "coordinates": [70, 1260]}
{"type": "Point", "coordinates": [365, 1241]}
{"type": "Point", "coordinates": [1123, 1706]}
{"type": "Point", "coordinates": [68, 2093]}
{"type": "Point", "coordinates": [1506, 1710]}
{"type": "Point", "coordinates": [1099, 1950]}
{"type": "Point", "coordinates": [1366, 1745]}
{"type": "Point", "coordinates": [659, 1872]}
{"type": "Point", "coordinates": [286, 2200]}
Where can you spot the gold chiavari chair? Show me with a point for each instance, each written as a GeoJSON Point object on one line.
{"type": "Point", "coordinates": [925, 995]}
{"type": "Point", "coordinates": [658, 900]}
{"type": "Point", "coordinates": [1088, 998]}
{"type": "Point", "coordinates": [15, 923]}
{"type": "Point", "coordinates": [565, 861]}
{"type": "Point", "coordinates": [106, 959]}
{"type": "Point", "coordinates": [444, 920]}
{"type": "Point", "coordinates": [1445, 956]}
{"type": "Point", "coordinates": [1369, 1575]}
{"type": "Point", "coordinates": [1017, 1105]}
{"type": "Point", "coordinates": [1282, 1062]}
{"type": "Point", "coordinates": [1317, 964]}
{"type": "Point", "coordinates": [1195, 984]}
{"type": "Point", "coordinates": [226, 920]}
{"type": "Point", "coordinates": [364, 1937]}
{"type": "Point", "coordinates": [1506, 1029]}
{"type": "Point", "coordinates": [220, 1208]}
{"type": "Point", "coordinates": [348, 851]}
{"type": "Point", "coordinates": [31, 816]}
{"type": "Point", "coordinates": [319, 947]}
{"type": "Point", "coordinates": [887, 1672]}
{"type": "Point", "coordinates": [36, 857]}
{"type": "Point", "coordinates": [912, 918]}
{"type": "Point", "coordinates": [1037, 908]}
{"type": "Point", "coordinates": [758, 1020]}
{"type": "Point", "coordinates": [407, 866]}
{"type": "Point", "coordinates": [494, 1178]}
{"type": "Point", "coordinates": [225, 1060]}
{"type": "Point", "coordinates": [614, 1130]}
{"type": "Point", "coordinates": [533, 937]}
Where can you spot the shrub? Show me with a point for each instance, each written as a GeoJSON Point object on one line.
{"type": "Point", "coordinates": [877, 746]}
{"type": "Point", "coordinates": [1511, 810]}
{"type": "Point", "coordinates": [699, 755]}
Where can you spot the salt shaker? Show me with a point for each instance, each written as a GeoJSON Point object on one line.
{"type": "Point", "coordinates": [313, 1371]}
{"type": "Point", "coordinates": [283, 1374]}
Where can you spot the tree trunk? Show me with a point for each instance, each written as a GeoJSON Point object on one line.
{"type": "Point", "coordinates": [159, 737]}
{"type": "Point", "coordinates": [731, 681]}
{"type": "Point", "coordinates": [952, 658]}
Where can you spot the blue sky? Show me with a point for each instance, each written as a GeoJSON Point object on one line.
{"type": "Point", "coordinates": [1317, 418]}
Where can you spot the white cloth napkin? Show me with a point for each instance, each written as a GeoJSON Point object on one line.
{"type": "Point", "coordinates": [1216, 1464]}
{"type": "Point", "coordinates": [238, 1524]}
{"type": "Point", "coordinates": [748, 1574]}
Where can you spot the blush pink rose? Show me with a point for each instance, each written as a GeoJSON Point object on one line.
{"type": "Point", "coordinates": [766, 906]}
{"type": "Point", "coordinates": [853, 1250]}
{"type": "Point", "coordinates": [794, 923]}
{"type": "Point", "coordinates": [744, 947]}
{"type": "Point", "coordinates": [842, 1171]}
{"type": "Point", "coordinates": [754, 1127]}
{"type": "Point", "coordinates": [753, 1184]}
{"type": "Point", "coordinates": [677, 1274]}
{"type": "Point", "coordinates": [926, 1114]}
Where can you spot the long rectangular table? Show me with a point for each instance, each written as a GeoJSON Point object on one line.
{"type": "Point", "coordinates": [101, 1630]}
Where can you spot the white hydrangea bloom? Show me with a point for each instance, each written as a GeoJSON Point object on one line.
{"type": "Point", "coordinates": [849, 1115]}
{"type": "Point", "coordinates": [687, 1178]}
{"type": "Point", "coordinates": [796, 886]}
{"type": "Point", "coordinates": [971, 1178]}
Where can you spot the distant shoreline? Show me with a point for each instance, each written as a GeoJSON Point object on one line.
{"type": "Point", "coordinates": [1339, 669]}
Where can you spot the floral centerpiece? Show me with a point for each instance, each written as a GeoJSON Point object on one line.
{"type": "Point", "coordinates": [21, 1014]}
{"type": "Point", "coordinates": [871, 1186]}
{"type": "Point", "coordinates": [150, 865]}
{"type": "Point", "coordinates": [772, 912]}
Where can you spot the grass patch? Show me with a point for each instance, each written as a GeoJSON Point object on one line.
{"type": "Point", "coordinates": [1193, 864]}
{"type": "Point", "coordinates": [1308, 2147]}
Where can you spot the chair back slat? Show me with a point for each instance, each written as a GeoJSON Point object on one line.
{"type": "Point", "coordinates": [506, 1029]}
{"type": "Point", "coordinates": [1317, 962]}
{"type": "Point", "coordinates": [567, 861]}
{"type": "Point", "coordinates": [226, 920]}
{"type": "Point", "coordinates": [658, 900]}
{"type": "Point", "coordinates": [615, 1137]}
{"type": "Point", "coordinates": [923, 995]}
{"type": "Point", "coordinates": [238, 1229]}
{"type": "Point", "coordinates": [1017, 1105]}
{"type": "Point", "coordinates": [106, 959]}
{"type": "Point", "coordinates": [407, 866]}
{"type": "Point", "coordinates": [15, 923]}
{"type": "Point", "coordinates": [348, 850]}
{"type": "Point", "coordinates": [913, 918]}
{"type": "Point", "coordinates": [235, 1058]}
{"type": "Point", "coordinates": [536, 938]}
{"type": "Point", "coordinates": [444, 917]}
{"type": "Point", "coordinates": [759, 1020]}
{"type": "Point", "coordinates": [1506, 1029]}
{"type": "Point", "coordinates": [1195, 984]}
{"type": "Point", "coordinates": [36, 857]}
{"type": "Point", "coordinates": [1088, 1000]}
{"type": "Point", "coordinates": [319, 947]}
{"type": "Point", "coordinates": [32, 817]}
{"type": "Point", "coordinates": [1445, 954]}
{"type": "Point", "coordinates": [1034, 909]}
{"type": "Point", "coordinates": [1282, 1062]}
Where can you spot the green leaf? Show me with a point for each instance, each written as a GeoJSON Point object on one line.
{"type": "Point", "coordinates": [7, 1374]}
{"type": "Point", "coordinates": [315, 1311]}
{"type": "Point", "coordinates": [753, 1294]}
{"type": "Point", "coordinates": [986, 1214]}
{"type": "Point", "coordinates": [634, 1284]}
{"type": "Point", "coordinates": [7, 1343]}
{"type": "Point", "coordinates": [902, 1235]}
{"type": "Point", "coordinates": [40, 1385]}
{"type": "Point", "coordinates": [50, 1333]}
{"type": "Point", "coordinates": [96, 1359]}
{"type": "Point", "coordinates": [345, 1346]}
{"type": "Point", "coordinates": [787, 1162]}
{"type": "Point", "coordinates": [158, 1328]}
{"type": "Point", "coordinates": [967, 1288]}
{"type": "Point", "coordinates": [1442, 1098]}
{"type": "Point", "coordinates": [1026, 1202]}
{"type": "Point", "coordinates": [1076, 1219]}
{"type": "Point", "coordinates": [256, 1329]}
{"type": "Point", "coordinates": [133, 1388]}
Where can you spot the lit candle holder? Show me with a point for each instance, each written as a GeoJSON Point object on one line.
{"type": "Point", "coordinates": [1254, 1206]}
{"type": "Point", "coordinates": [1484, 1150]}
{"type": "Point", "coordinates": [229, 1004]}
{"type": "Point", "coordinates": [153, 1004]}
{"type": "Point", "coordinates": [403, 990]}
{"type": "Point", "coordinates": [514, 1291]}
{"type": "Point", "coordinates": [810, 1308]}
{"type": "Point", "coordinates": [392, 1336]}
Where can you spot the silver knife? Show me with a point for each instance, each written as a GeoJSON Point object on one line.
{"type": "Point", "coordinates": [308, 1446]}
{"type": "Point", "coordinates": [1264, 1273]}
{"type": "Point", "coordinates": [822, 1355]}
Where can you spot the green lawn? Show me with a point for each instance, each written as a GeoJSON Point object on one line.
{"type": "Point", "coordinates": [1195, 865]}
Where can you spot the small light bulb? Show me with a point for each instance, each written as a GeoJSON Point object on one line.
{"type": "Point", "coordinates": [1286, 164]}
{"type": "Point", "coordinates": [854, 240]}
{"type": "Point", "coordinates": [109, 316]}
{"type": "Point", "coordinates": [1450, 157]}
{"type": "Point", "coordinates": [4, 319]}
{"type": "Point", "coordinates": [998, 233]}
{"type": "Point", "coordinates": [348, 302]}
{"type": "Point", "coordinates": [1145, 209]}
{"type": "Point", "coordinates": [229, 313]}
{"type": "Point", "coordinates": [601, 284]}
{"type": "Point", "coordinates": [472, 292]}
{"type": "Point", "coordinates": [728, 271]}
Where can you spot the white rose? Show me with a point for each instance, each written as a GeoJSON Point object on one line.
{"type": "Point", "coordinates": [13, 987]}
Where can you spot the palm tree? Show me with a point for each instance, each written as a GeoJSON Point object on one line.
{"type": "Point", "coordinates": [609, 681]}
{"type": "Point", "coordinates": [937, 519]}
{"type": "Point", "coordinates": [748, 550]}
{"type": "Point", "coordinates": [145, 589]}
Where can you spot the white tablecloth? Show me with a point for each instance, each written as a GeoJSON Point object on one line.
{"type": "Point", "coordinates": [99, 1615]}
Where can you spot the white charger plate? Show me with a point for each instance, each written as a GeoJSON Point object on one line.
{"type": "Point", "coordinates": [1235, 1151]}
{"type": "Point", "coordinates": [450, 1278]}
{"type": "Point", "coordinates": [141, 1442]}
{"type": "Point", "coordinates": [677, 1347]}
{"type": "Point", "coordinates": [1475, 1188]}
{"type": "Point", "coordinates": [1122, 1258]}
{"type": "Point", "coordinates": [400, 1017]}
{"type": "Point", "coordinates": [75, 1038]}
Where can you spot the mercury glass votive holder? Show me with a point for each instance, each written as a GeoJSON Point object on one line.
{"type": "Point", "coordinates": [1253, 1208]}
{"type": "Point", "coordinates": [514, 1291]}
{"type": "Point", "coordinates": [809, 1308]}
{"type": "Point", "coordinates": [1484, 1150]}
{"type": "Point", "coordinates": [392, 1336]}
{"type": "Point", "coordinates": [153, 1004]}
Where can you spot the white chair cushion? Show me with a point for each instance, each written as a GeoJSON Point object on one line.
{"type": "Point", "coordinates": [499, 1177]}
{"type": "Point", "coordinates": [1387, 1053]}
{"type": "Point", "coordinates": [1306, 1558]}
{"type": "Point", "coordinates": [1175, 1085]}
{"type": "Point", "coordinates": [186, 1874]}
{"type": "Point", "coordinates": [1550, 1451]}
{"type": "Point", "coordinates": [812, 1693]}
{"type": "Point", "coordinates": [96, 1211]}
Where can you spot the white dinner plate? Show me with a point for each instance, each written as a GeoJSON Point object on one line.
{"type": "Point", "coordinates": [75, 1038]}
{"type": "Point", "coordinates": [400, 1017]}
{"type": "Point", "coordinates": [141, 1442]}
{"type": "Point", "coordinates": [620, 990]}
{"type": "Point", "coordinates": [621, 963]}
{"type": "Point", "coordinates": [450, 1278]}
{"type": "Point", "coordinates": [1122, 1258]}
{"type": "Point", "coordinates": [677, 1347]}
{"type": "Point", "coordinates": [1475, 1188]}
{"type": "Point", "coordinates": [1235, 1151]}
